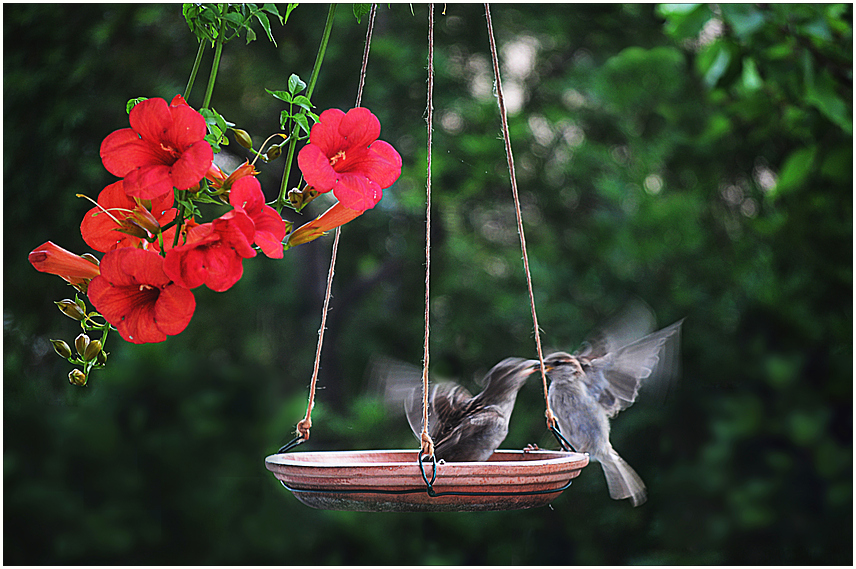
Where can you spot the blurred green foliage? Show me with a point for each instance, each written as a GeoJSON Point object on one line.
{"type": "Point", "coordinates": [698, 157]}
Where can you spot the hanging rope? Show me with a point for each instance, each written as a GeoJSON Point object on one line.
{"type": "Point", "coordinates": [305, 425]}
{"type": "Point", "coordinates": [551, 419]}
{"type": "Point", "coordinates": [427, 443]}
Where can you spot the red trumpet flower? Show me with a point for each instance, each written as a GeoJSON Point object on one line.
{"type": "Point", "coordinates": [135, 295]}
{"type": "Point", "coordinates": [164, 148]}
{"type": "Point", "coordinates": [53, 259]}
{"type": "Point", "coordinates": [344, 155]}
{"type": "Point", "coordinates": [330, 219]}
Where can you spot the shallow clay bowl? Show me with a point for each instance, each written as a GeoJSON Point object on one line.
{"type": "Point", "coordinates": [391, 480]}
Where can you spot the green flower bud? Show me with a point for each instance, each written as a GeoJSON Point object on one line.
{"type": "Point", "coordinates": [61, 348]}
{"type": "Point", "coordinates": [101, 358]}
{"type": "Point", "coordinates": [243, 137]}
{"type": "Point", "coordinates": [81, 343]}
{"type": "Point", "coordinates": [92, 350]}
{"type": "Point", "coordinates": [71, 309]}
{"type": "Point", "coordinates": [273, 153]}
{"type": "Point", "coordinates": [77, 377]}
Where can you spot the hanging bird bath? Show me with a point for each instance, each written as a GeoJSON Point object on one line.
{"type": "Point", "coordinates": [393, 481]}
{"type": "Point", "coordinates": [413, 480]}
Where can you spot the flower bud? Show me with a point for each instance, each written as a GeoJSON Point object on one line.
{"type": "Point", "coordinates": [77, 377]}
{"type": "Point", "coordinates": [272, 153]}
{"type": "Point", "coordinates": [81, 343]}
{"type": "Point", "coordinates": [92, 350]}
{"type": "Point", "coordinates": [71, 309]}
{"type": "Point", "coordinates": [101, 358]}
{"type": "Point", "coordinates": [243, 137]}
{"type": "Point", "coordinates": [143, 218]}
{"type": "Point", "coordinates": [61, 348]}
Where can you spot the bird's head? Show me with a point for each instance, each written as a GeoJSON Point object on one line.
{"type": "Point", "coordinates": [562, 365]}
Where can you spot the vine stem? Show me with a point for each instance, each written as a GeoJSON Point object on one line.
{"type": "Point", "coordinates": [319, 58]}
{"type": "Point", "coordinates": [195, 69]}
{"type": "Point", "coordinates": [218, 51]}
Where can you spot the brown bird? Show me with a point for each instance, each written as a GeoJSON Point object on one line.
{"type": "Point", "coordinates": [467, 428]}
{"type": "Point", "coordinates": [590, 387]}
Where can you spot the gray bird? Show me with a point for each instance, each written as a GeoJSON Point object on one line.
{"type": "Point", "coordinates": [590, 387]}
{"type": "Point", "coordinates": [467, 428]}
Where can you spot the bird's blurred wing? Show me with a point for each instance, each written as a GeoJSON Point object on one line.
{"type": "Point", "coordinates": [616, 377]}
{"type": "Point", "coordinates": [632, 323]}
{"type": "Point", "coordinates": [447, 404]}
{"type": "Point", "coordinates": [474, 437]}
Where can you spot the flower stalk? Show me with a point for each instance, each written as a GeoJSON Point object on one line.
{"type": "Point", "coordinates": [316, 69]}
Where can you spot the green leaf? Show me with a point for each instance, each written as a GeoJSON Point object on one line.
{"type": "Point", "coordinates": [684, 20]}
{"type": "Point", "coordinates": [744, 19]}
{"type": "Point", "coordinates": [751, 79]}
{"type": "Point", "coordinates": [821, 94]}
{"type": "Point", "coordinates": [284, 117]}
{"type": "Point", "coordinates": [303, 102]}
{"type": "Point", "coordinates": [295, 84]}
{"type": "Point", "coordinates": [251, 35]}
{"type": "Point", "coordinates": [271, 9]}
{"type": "Point", "coordinates": [288, 12]}
{"type": "Point", "coordinates": [796, 169]}
{"type": "Point", "coordinates": [281, 95]}
{"type": "Point", "coordinates": [713, 62]}
{"type": "Point", "coordinates": [361, 10]}
{"type": "Point", "coordinates": [133, 103]}
{"type": "Point", "coordinates": [263, 20]}
{"type": "Point", "coordinates": [303, 122]}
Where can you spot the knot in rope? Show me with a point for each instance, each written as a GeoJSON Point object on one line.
{"type": "Point", "coordinates": [427, 445]}
{"type": "Point", "coordinates": [303, 428]}
{"type": "Point", "coordinates": [551, 419]}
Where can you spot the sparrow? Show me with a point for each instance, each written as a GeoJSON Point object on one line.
{"type": "Point", "coordinates": [591, 386]}
{"type": "Point", "coordinates": [467, 428]}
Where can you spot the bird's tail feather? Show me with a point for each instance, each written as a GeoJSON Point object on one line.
{"type": "Point", "coordinates": [622, 480]}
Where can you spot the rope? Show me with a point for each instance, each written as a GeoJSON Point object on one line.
{"type": "Point", "coordinates": [305, 425]}
{"type": "Point", "coordinates": [427, 443]}
{"type": "Point", "coordinates": [551, 419]}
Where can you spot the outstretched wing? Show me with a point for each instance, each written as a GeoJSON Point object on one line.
{"type": "Point", "coordinates": [615, 377]}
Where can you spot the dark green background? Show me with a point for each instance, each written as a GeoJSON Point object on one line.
{"type": "Point", "coordinates": [698, 159]}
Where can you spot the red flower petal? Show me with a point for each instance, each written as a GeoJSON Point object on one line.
{"type": "Point", "coordinates": [359, 127]}
{"type": "Point", "coordinates": [325, 133]}
{"type": "Point", "coordinates": [385, 163]}
{"type": "Point", "coordinates": [270, 231]}
{"type": "Point", "coordinates": [316, 169]}
{"type": "Point", "coordinates": [151, 119]}
{"type": "Point", "coordinates": [192, 165]}
{"type": "Point", "coordinates": [357, 192]}
{"type": "Point", "coordinates": [247, 196]}
{"type": "Point", "coordinates": [123, 151]}
{"type": "Point", "coordinates": [174, 309]}
{"type": "Point", "coordinates": [187, 127]}
{"type": "Point", "coordinates": [149, 182]}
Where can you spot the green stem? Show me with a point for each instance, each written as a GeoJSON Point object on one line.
{"type": "Point", "coordinates": [195, 69]}
{"type": "Point", "coordinates": [322, 49]}
{"type": "Point", "coordinates": [218, 50]}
